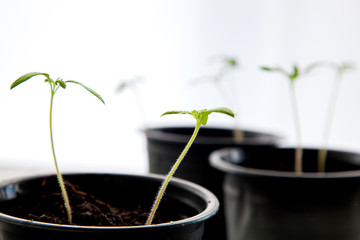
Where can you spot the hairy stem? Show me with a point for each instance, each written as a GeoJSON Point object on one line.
{"type": "Point", "coordinates": [59, 176]}
{"type": "Point", "coordinates": [171, 173]}
{"type": "Point", "coordinates": [298, 151]}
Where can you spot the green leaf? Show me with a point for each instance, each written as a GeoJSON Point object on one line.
{"type": "Point", "coordinates": [130, 83]}
{"type": "Point", "coordinates": [274, 69]}
{"type": "Point", "coordinates": [175, 112]}
{"type": "Point", "coordinates": [87, 88]}
{"type": "Point", "coordinates": [231, 62]}
{"type": "Point", "coordinates": [296, 71]}
{"type": "Point", "coordinates": [294, 74]}
{"type": "Point", "coordinates": [203, 118]}
{"type": "Point", "coordinates": [223, 110]}
{"type": "Point", "coordinates": [311, 67]}
{"type": "Point", "coordinates": [26, 77]}
{"type": "Point", "coordinates": [61, 83]}
{"type": "Point", "coordinates": [266, 68]}
{"type": "Point", "coordinates": [346, 66]}
{"type": "Point", "coordinates": [202, 115]}
{"type": "Point", "coordinates": [122, 86]}
{"type": "Point", "coordinates": [340, 68]}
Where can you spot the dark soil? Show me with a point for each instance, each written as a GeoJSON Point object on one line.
{"type": "Point", "coordinates": [87, 210]}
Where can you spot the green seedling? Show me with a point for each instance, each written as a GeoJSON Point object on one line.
{"type": "Point", "coordinates": [228, 65]}
{"type": "Point", "coordinates": [54, 86]}
{"type": "Point", "coordinates": [133, 85]}
{"type": "Point", "coordinates": [293, 76]}
{"type": "Point", "coordinates": [340, 70]}
{"type": "Point", "coordinates": [201, 118]}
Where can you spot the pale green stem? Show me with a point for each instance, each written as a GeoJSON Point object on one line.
{"type": "Point", "coordinates": [222, 91]}
{"type": "Point", "coordinates": [298, 150]}
{"type": "Point", "coordinates": [329, 123]}
{"type": "Point", "coordinates": [238, 134]}
{"type": "Point", "coordinates": [59, 176]}
{"type": "Point", "coordinates": [140, 106]}
{"type": "Point", "coordinates": [171, 173]}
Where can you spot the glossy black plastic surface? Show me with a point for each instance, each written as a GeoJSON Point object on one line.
{"type": "Point", "coordinates": [265, 199]}
{"type": "Point", "coordinates": [191, 201]}
{"type": "Point", "coordinates": [165, 144]}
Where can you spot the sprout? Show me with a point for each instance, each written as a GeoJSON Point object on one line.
{"type": "Point", "coordinates": [133, 85]}
{"type": "Point", "coordinates": [340, 70]}
{"type": "Point", "coordinates": [201, 118]}
{"type": "Point", "coordinates": [228, 65]}
{"type": "Point", "coordinates": [293, 76]}
{"type": "Point", "coordinates": [54, 86]}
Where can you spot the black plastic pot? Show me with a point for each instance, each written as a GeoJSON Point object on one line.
{"type": "Point", "coordinates": [264, 199]}
{"type": "Point", "coordinates": [194, 203]}
{"type": "Point", "coordinates": [165, 144]}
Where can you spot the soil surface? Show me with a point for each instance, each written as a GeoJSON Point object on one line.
{"type": "Point", "coordinates": [87, 210]}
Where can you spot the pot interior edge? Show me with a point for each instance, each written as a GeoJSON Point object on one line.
{"type": "Point", "coordinates": [230, 160]}
{"type": "Point", "coordinates": [209, 135]}
{"type": "Point", "coordinates": [204, 203]}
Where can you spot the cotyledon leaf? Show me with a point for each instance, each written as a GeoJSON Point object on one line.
{"type": "Point", "coordinates": [87, 88]}
{"type": "Point", "coordinates": [26, 77]}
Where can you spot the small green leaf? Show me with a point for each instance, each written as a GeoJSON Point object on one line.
{"type": "Point", "coordinates": [315, 65]}
{"type": "Point", "coordinates": [202, 115]}
{"type": "Point", "coordinates": [203, 118]}
{"type": "Point", "coordinates": [293, 76]}
{"type": "Point", "coordinates": [231, 62]}
{"type": "Point", "coordinates": [266, 68]}
{"type": "Point", "coordinates": [175, 112]}
{"type": "Point", "coordinates": [26, 77]}
{"type": "Point", "coordinates": [122, 86]}
{"type": "Point", "coordinates": [87, 88]}
{"type": "Point", "coordinates": [296, 71]}
{"type": "Point", "coordinates": [130, 83]}
{"type": "Point", "coordinates": [274, 69]}
{"type": "Point", "coordinates": [346, 66]}
{"type": "Point", "coordinates": [223, 110]}
{"type": "Point", "coordinates": [61, 83]}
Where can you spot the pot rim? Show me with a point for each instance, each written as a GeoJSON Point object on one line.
{"type": "Point", "coordinates": [156, 133]}
{"type": "Point", "coordinates": [216, 161]}
{"type": "Point", "coordinates": [210, 210]}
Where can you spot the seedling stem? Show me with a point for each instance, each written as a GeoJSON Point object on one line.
{"type": "Point", "coordinates": [201, 117]}
{"type": "Point", "coordinates": [293, 76]}
{"type": "Point", "coordinates": [298, 150]}
{"type": "Point", "coordinates": [228, 65]}
{"type": "Point", "coordinates": [54, 86]}
{"type": "Point", "coordinates": [132, 83]}
{"type": "Point", "coordinates": [329, 119]}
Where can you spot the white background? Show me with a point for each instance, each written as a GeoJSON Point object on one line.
{"type": "Point", "coordinates": [100, 43]}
